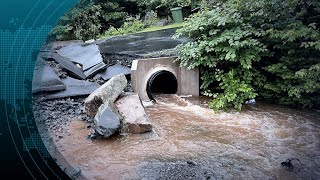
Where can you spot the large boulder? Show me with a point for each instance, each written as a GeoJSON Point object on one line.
{"type": "Point", "coordinates": [108, 92]}
{"type": "Point", "coordinates": [135, 119]}
{"type": "Point", "coordinates": [106, 121]}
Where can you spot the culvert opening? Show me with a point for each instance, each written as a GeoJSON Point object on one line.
{"type": "Point", "coordinates": [162, 82]}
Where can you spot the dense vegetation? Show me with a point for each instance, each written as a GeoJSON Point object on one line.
{"type": "Point", "coordinates": [245, 48]}
{"type": "Point", "coordinates": [249, 48]}
{"type": "Point", "coordinates": [91, 19]}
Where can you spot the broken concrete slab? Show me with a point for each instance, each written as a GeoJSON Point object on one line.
{"type": "Point", "coordinates": [86, 55]}
{"type": "Point", "coordinates": [114, 71]}
{"type": "Point", "coordinates": [45, 79]}
{"type": "Point", "coordinates": [135, 119]}
{"type": "Point", "coordinates": [40, 63]}
{"type": "Point", "coordinates": [106, 121]}
{"type": "Point", "coordinates": [95, 69]}
{"type": "Point", "coordinates": [107, 92]}
{"type": "Point", "coordinates": [74, 88]}
{"type": "Point", "coordinates": [66, 64]}
{"type": "Point", "coordinates": [46, 54]}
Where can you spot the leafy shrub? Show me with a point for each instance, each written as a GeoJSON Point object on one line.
{"type": "Point", "coordinates": [248, 47]}
{"type": "Point", "coordinates": [151, 19]}
{"type": "Point", "coordinates": [88, 19]}
{"type": "Point", "coordinates": [130, 26]}
{"type": "Point", "coordinates": [227, 46]}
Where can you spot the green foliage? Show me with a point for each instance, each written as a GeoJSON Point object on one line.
{"type": "Point", "coordinates": [248, 47]}
{"type": "Point", "coordinates": [227, 46]}
{"type": "Point", "coordinates": [130, 26]}
{"type": "Point", "coordinates": [151, 20]}
{"type": "Point", "coordinates": [168, 3]}
{"type": "Point", "coordinates": [88, 19]}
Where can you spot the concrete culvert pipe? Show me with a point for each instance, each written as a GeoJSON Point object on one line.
{"type": "Point", "coordinates": [162, 82]}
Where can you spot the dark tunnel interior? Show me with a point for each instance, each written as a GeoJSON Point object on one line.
{"type": "Point", "coordinates": [162, 82]}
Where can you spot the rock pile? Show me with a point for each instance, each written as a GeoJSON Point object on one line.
{"type": "Point", "coordinates": [107, 92]}
{"type": "Point", "coordinates": [100, 105]}
{"type": "Point", "coordinates": [107, 119]}
{"type": "Point", "coordinates": [76, 69]}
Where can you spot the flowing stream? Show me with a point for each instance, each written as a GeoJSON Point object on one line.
{"type": "Point", "coordinates": [190, 141]}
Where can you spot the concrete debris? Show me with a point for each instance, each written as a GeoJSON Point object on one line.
{"type": "Point", "coordinates": [45, 79]}
{"type": "Point", "coordinates": [40, 63]}
{"type": "Point", "coordinates": [54, 115]}
{"type": "Point", "coordinates": [135, 120]}
{"type": "Point", "coordinates": [95, 69]}
{"type": "Point", "coordinates": [46, 54]}
{"type": "Point", "coordinates": [66, 64]}
{"type": "Point", "coordinates": [108, 92]}
{"type": "Point", "coordinates": [74, 88]}
{"type": "Point", "coordinates": [86, 55]}
{"type": "Point", "coordinates": [114, 71]}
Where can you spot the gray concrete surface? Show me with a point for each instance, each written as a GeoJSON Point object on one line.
{"type": "Point", "coordinates": [141, 44]}
{"type": "Point", "coordinates": [45, 79]}
{"type": "Point", "coordinates": [74, 88]}
{"type": "Point", "coordinates": [86, 55]}
{"type": "Point", "coordinates": [143, 69]}
{"type": "Point", "coordinates": [114, 71]}
{"type": "Point", "coordinates": [66, 64]}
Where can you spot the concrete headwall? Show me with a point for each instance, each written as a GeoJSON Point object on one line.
{"type": "Point", "coordinates": [143, 69]}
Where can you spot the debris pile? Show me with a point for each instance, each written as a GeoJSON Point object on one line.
{"type": "Point", "coordinates": [73, 70]}
{"type": "Point", "coordinates": [100, 105]}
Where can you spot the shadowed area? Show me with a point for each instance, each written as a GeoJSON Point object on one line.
{"type": "Point", "coordinates": [162, 82]}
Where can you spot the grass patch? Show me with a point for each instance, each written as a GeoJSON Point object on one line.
{"type": "Point", "coordinates": [135, 28]}
{"type": "Point", "coordinates": [157, 28]}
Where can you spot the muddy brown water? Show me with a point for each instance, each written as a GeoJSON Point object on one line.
{"type": "Point", "coordinates": [250, 144]}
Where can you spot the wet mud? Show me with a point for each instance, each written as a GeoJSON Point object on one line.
{"type": "Point", "coordinates": [190, 141]}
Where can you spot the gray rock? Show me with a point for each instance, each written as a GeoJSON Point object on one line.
{"type": "Point", "coordinates": [106, 121]}
{"type": "Point", "coordinates": [45, 79]}
{"type": "Point", "coordinates": [108, 92]}
{"type": "Point", "coordinates": [86, 55]}
{"type": "Point", "coordinates": [114, 71]}
{"type": "Point", "coordinates": [74, 88]}
{"type": "Point", "coordinates": [135, 119]}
